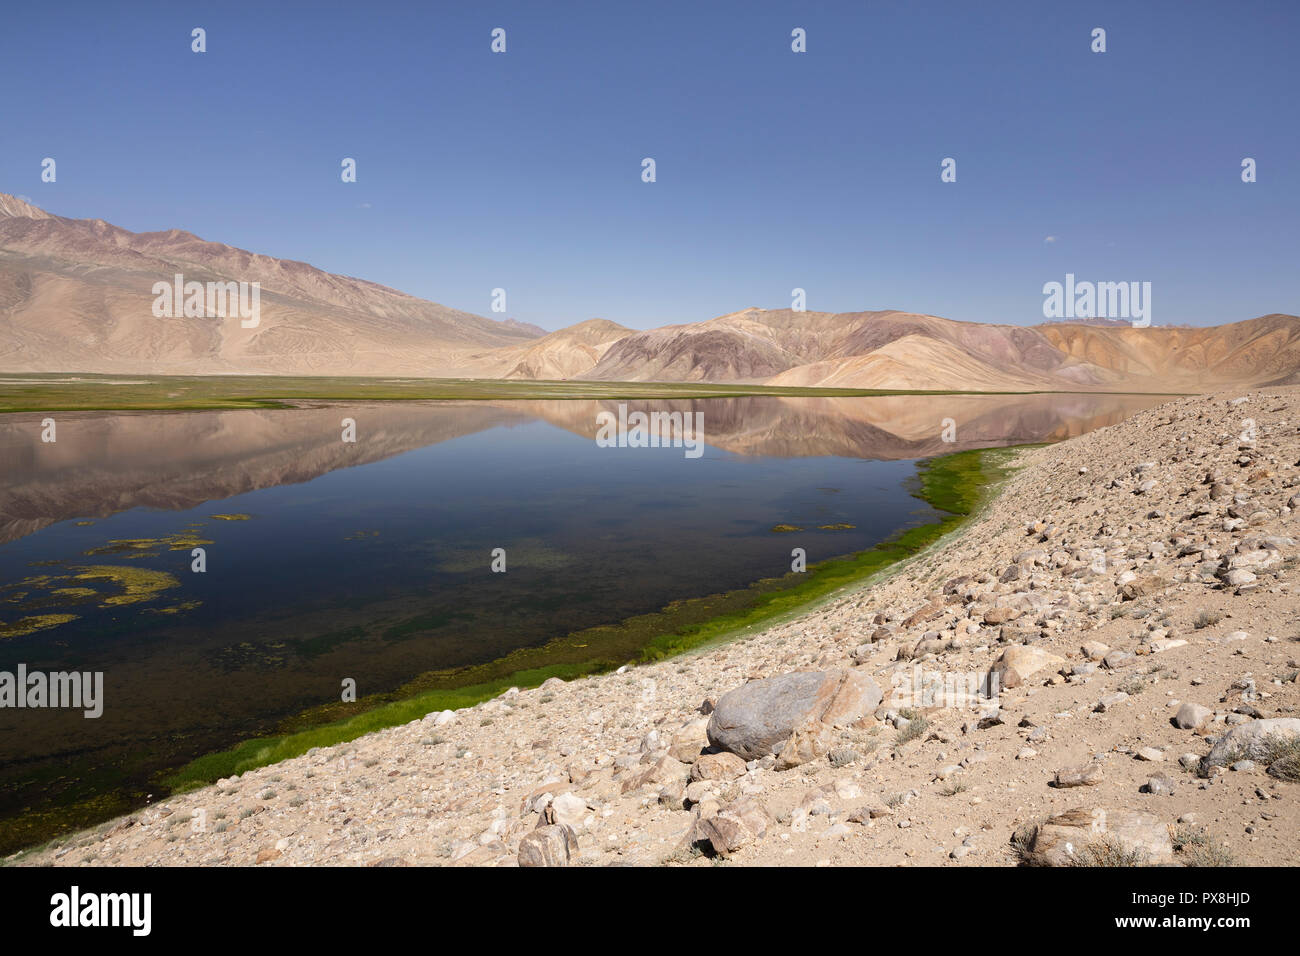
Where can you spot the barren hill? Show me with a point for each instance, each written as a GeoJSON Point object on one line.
{"type": "Point", "coordinates": [568, 352]}
{"type": "Point", "coordinates": [76, 295]}
{"type": "Point", "coordinates": [904, 350]}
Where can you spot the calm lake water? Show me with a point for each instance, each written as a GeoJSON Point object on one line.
{"type": "Point", "coordinates": [371, 560]}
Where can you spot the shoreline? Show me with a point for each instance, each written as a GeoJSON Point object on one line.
{"type": "Point", "coordinates": [760, 606]}
{"type": "Point", "coordinates": [954, 485]}
{"type": "Point", "coordinates": [1133, 587]}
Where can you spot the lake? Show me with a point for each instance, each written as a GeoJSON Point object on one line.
{"type": "Point", "coordinates": [371, 561]}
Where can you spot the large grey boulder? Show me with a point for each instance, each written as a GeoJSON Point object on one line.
{"type": "Point", "coordinates": [756, 719]}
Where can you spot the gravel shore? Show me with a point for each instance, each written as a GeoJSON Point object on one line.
{"type": "Point", "coordinates": [1131, 592]}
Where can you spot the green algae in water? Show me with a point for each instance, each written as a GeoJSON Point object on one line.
{"type": "Point", "coordinates": [138, 584]}
{"type": "Point", "coordinates": [30, 625]}
{"type": "Point", "coordinates": [172, 542]}
{"type": "Point", "coordinates": [235, 517]}
{"type": "Point", "coordinates": [76, 594]}
{"type": "Point", "coordinates": [35, 581]}
{"type": "Point", "coordinates": [174, 609]}
{"type": "Point", "coordinates": [955, 484]}
{"type": "Point", "coordinates": [836, 527]}
{"type": "Point", "coordinates": [524, 553]}
{"type": "Point", "coordinates": [56, 598]}
{"type": "Point", "coordinates": [785, 528]}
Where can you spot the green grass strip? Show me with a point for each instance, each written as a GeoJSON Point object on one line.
{"type": "Point", "coordinates": [954, 484]}
{"type": "Point", "coordinates": [49, 392]}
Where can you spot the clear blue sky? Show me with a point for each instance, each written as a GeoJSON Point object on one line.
{"type": "Point", "coordinates": [775, 169]}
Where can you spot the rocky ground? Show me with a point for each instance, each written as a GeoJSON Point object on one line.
{"type": "Point", "coordinates": [1129, 596]}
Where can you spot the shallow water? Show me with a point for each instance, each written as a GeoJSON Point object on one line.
{"type": "Point", "coordinates": [371, 560]}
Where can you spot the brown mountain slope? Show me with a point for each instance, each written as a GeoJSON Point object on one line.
{"type": "Point", "coordinates": [1261, 351]}
{"type": "Point", "coordinates": [568, 352]}
{"type": "Point", "coordinates": [77, 295]}
{"type": "Point", "coordinates": [904, 350]}
{"type": "Point", "coordinates": [854, 349]}
{"type": "Point", "coordinates": [912, 362]}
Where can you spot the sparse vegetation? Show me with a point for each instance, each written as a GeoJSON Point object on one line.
{"type": "Point", "coordinates": [1207, 853]}
{"type": "Point", "coordinates": [1281, 755]}
{"type": "Point", "coordinates": [916, 727]}
{"type": "Point", "coordinates": [955, 484]}
{"type": "Point", "coordinates": [1283, 758]}
{"type": "Point", "coordinates": [1109, 852]}
{"type": "Point", "coordinates": [1185, 837]}
{"type": "Point", "coordinates": [1133, 685]}
{"type": "Point", "coordinates": [1022, 842]}
{"type": "Point", "coordinates": [683, 854]}
{"type": "Point", "coordinates": [1206, 619]}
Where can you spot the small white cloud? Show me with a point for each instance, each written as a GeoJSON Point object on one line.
{"type": "Point", "coordinates": [365, 205]}
{"type": "Point", "coordinates": [1050, 239]}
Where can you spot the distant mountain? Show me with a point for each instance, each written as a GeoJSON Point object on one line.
{"type": "Point", "coordinates": [569, 352]}
{"type": "Point", "coordinates": [76, 295]}
{"type": "Point", "coordinates": [903, 350]}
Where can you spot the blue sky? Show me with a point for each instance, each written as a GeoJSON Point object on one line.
{"type": "Point", "coordinates": [775, 170]}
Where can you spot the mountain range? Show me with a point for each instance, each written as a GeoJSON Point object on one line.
{"type": "Point", "coordinates": [77, 295]}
